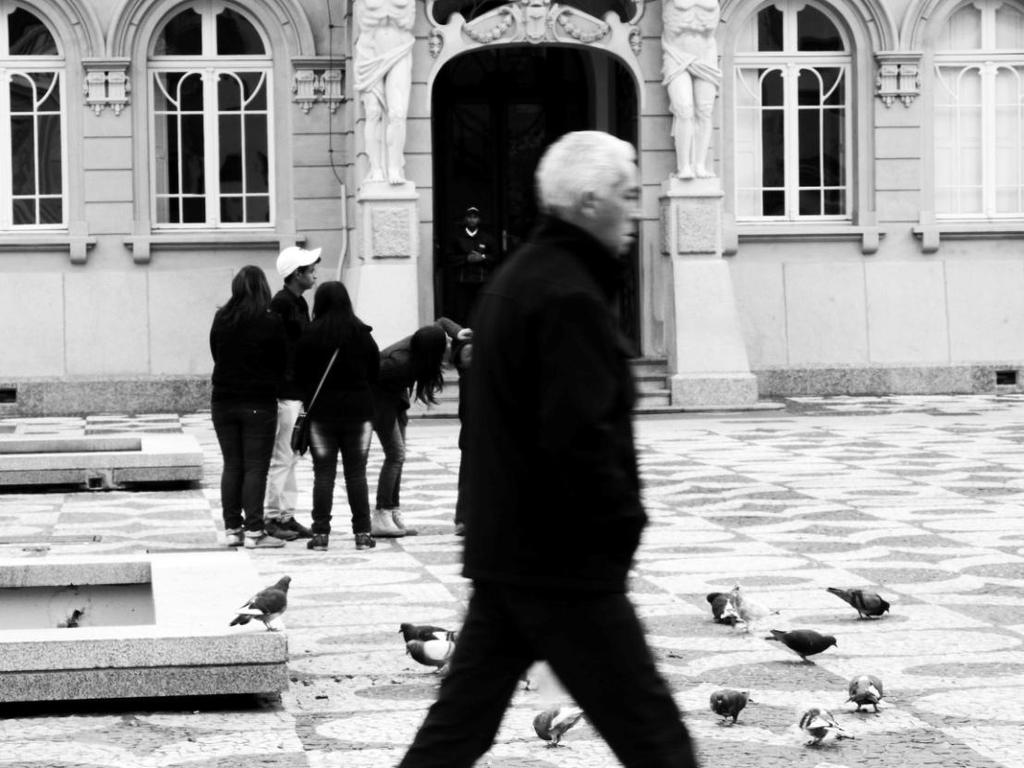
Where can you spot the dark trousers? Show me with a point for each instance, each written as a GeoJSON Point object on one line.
{"type": "Point", "coordinates": [464, 299]}
{"type": "Point", "coordinates": [328, 438]}
{"type": "Point", "coordinates": [389, 425]}
{"type": "Point", "coordinates": [595, 645]}
{"type": "Point", "coordinates": [246, 433]}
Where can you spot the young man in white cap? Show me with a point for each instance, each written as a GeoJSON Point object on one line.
{"type": "Point", "coordinates": [298, 268]}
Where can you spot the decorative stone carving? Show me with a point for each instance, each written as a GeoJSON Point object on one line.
{"type": "Point", "coordinates": [898, 77]}
{"type": "Point", "coordinates": [304, 87]}
{"type": "Point", "coordinates": [692, 78]}
{"type": "Point", "coordinates": [382, 58]}
{"type": "Point", "coordinates": [106, 84]}
{"type": "Point", "coordinates": [534, 22]}
{"type": "Point", "coordinates": [330, 88]}
{"type": "Point", "coordinates": [317, 79]}
{"type": "Point", "coordinates": [519, 21]}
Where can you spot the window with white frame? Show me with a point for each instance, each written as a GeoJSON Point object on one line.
{"type": "Point", "coordinates": [32, 167]}
{"type": "Point", "coordinates": [792, 118]}
{"type": "Point", "coordinates": [212, 148]}
{"type": "Point", "coordinates": [979, 112]}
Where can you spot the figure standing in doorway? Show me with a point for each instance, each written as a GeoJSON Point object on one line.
{"type": "Point", "coordinates": [691, 75]}
{"type": "Point", "coordinates": [383, 78]}
{"type": "Point", "coordinates": [473, 257]}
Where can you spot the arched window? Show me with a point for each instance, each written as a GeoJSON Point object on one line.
{"type": "Point", "coordinates": [212, 149]}
{"type": "Point", "coordinates": [32, 167]}
{"type": "Point", "coordinates": [792, 116]}
{"type": "Point", "coordinates": [979, 112]}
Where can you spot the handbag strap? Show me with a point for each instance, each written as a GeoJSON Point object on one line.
{"type": "Point", "coordinates": [322, 380]}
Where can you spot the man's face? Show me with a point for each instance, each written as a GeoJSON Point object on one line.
{"type": "Point", "coordinates": [614, 215]}
{"type": "Point", "coordinates": [305, 277]}
{"type": "Point", "coordinates": [472, 220]}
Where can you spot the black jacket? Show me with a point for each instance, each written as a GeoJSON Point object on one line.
{"type": "Point", "coordinates": [248, 359]}
{"type": "Point", "coordinates": [294, 311]}
{"type": "Point", "coordinates": [554, 491]}
{"type": "Point", "coordinates": [462, 245]}
{"type": "Point", "coordinates": [346, 394]}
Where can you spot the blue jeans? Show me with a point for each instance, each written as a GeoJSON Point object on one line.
{"type": "Point", "coordinates": [328, 438]}
{"type": "Point", "coordinates": [389, 426]}
{"type": "Point", "coordinates": [245, 432]}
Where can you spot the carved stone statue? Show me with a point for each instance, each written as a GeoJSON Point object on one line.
{"type": "Point", "coordinates": [382, 64]}
{"type": "Point", "coordinates": [692, 77]}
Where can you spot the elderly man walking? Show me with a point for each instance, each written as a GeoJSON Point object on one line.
{"type": "Point", "coordinates": [554, 515]}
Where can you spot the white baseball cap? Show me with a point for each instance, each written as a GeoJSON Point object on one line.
{"type": "Point", "coordinates": [293, 257]}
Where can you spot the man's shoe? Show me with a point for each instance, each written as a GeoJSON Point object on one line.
{"type": "Point", "coordinates": [260, 540]}
{"type": "Point", "coordinates": [301, 531]}
{"type": "Point", "coordinates": [279, 530]}
{"type": "Point", "coordinates": [460, 529]}
{"type": "Point", "coordinates": [382, 526]}
{"type": "Point", "coordinates": [233, 537]}
{"type": "Point", "coordinates": [317, 542]}
{"type": "Point", "coordinates": [365, 541]}
{"type": "Point", "coordinates": [396, 518]}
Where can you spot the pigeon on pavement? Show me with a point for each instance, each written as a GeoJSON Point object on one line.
{"type": "Point", "coordinates": [266, 605]}
{"type": "Point", "coordinates": [431, 653]}
{"type": "Point", "coordinates": [864, 690]}
{"type": "Point", "coordinates": [803, 642]}
{"type": "Point", "coordinates": [551, 724]}
{"type": "Point", "coordinates": [867, 603]}
{"type": "Point", "coordinates": [72, 619]}
{"type": "Point", "coordinates": [818, 722]}
{"type": "Point", "coordinates": [728, 703]}
{"type": "Point", "coordinates": [743, 609]}
{"type": "Point", "coordinates": [719, 601]}
{"type": "Point", "coordinates": [424, 632]}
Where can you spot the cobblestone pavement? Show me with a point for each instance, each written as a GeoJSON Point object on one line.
{"type": "Point", "coordinates": [919, 498]}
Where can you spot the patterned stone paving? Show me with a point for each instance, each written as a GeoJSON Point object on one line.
{"type": "Point", "coordinates": [917, 497]}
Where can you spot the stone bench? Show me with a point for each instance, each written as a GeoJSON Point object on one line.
{"type": "Point", "coordinates": [140, 626]}
{"type": "Point", "coordinates": [100, 462]}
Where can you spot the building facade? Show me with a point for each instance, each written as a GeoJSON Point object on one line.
{"type": "Point", "coordinates": [861, 231]}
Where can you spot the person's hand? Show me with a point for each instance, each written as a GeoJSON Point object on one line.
{"type": "Point", "coordinates": [465, 334]}
{"type": "Point", "coordinates": [474, 257]}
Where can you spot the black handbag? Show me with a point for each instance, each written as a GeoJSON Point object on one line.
{"type": "Point", "coordinates": [300, 432]}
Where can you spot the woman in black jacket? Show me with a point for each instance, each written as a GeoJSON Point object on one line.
{"type": "Point", "coordinates": [247, 342]}
{"type": "Point", "coordinates": [410, 367]}
{"type": "Point", "coordinates": [341, 414]}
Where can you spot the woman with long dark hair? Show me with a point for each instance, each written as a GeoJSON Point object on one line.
{"type": "Point", "coordinates": [409, 368]}
{"type": "Point", "coordinates": [341, 414]}
{"type": "Point", "coordinates": [248, 345]}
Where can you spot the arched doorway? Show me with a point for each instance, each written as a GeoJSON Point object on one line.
{"type": "Point", "coordinates": [494, 111]}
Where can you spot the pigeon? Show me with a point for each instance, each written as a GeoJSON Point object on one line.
{"type": "Point", "coordinates": [864, 690]}
{"type": "Point", "coordinates": [431, 653]}
{"type": "Point", "coordinates": [803, 642]}
{"type": "Point", "coordinates": [72, 619]}
{"type": "Point", "coordinates": [742, 609]}
{"type": "Point", "coordinates": [867, 603]}
{"type": "Point", "coordinates": [551, 724]}
{"type": "Point", "coordinates": [266, 605]}
{"type": "Point", "coordinates": [729, 703]}
{"type": "Point", "coordinates": [425, 632]}
{"type": "Point", "coordinates": [818, 722]}
{"type": "Point", "coordinates": [719, 601]}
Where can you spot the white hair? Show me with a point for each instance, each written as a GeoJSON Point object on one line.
{"type": "Point", "coordinates": [578, 164]}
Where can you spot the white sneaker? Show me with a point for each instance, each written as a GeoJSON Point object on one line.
{"type": "Point", "coordinates": [382, 526]}
{"type": "Point", "coordinates": [396, 518]}
{"type": "Point", "coordinates": [260, 540]}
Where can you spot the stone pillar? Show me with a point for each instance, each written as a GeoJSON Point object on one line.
{"type": "Point", "coordinates": [707, 356]}
{"type": "Point", "coordinates": [387, 290]}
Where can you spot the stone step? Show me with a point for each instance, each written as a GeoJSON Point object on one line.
{"type": "Point", "coordinates": [649, 373]}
